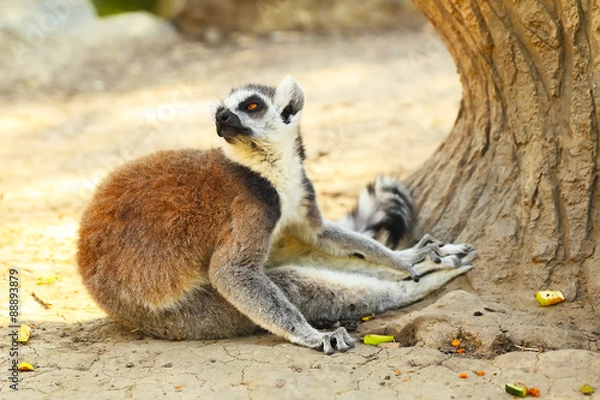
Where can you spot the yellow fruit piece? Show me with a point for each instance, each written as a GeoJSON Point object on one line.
{"type": "Point", "coordinates": [23, 333]}
{"type": "Point", "coordinates": [374, 340]}
{"type": "Point", "coordinates": [47, 280]}
{"type": "Point", "coordinates": [586, 389]}
{"type": "Point", "coordinates": [549, 297]}
{"type": "Point", "coordinates": [25, 366]}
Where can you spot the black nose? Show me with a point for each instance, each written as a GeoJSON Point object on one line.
{"type": "Point", "coordinates": [224, 116]}
{"type": "Point", "coordinates": [229, 124]}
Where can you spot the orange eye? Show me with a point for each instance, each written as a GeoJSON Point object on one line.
{"type": "Point", "coordinates": [252, 106]}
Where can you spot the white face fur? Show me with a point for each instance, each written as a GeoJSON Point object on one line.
{"type": "Point", "coordinates": [261, 114]}
{"type": "Point", "coordinates": [260, 126]}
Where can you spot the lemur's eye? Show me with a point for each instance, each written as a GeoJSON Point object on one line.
{"type": "Point", "coordinates": [251, 106]}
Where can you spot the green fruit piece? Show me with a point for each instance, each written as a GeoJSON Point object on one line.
{"type": "Point", "coordinates": [516, 389]}
{"type": "Point", "coordinates": [587, 389]}
{"type": "Point", "coordinates": [374, 340]}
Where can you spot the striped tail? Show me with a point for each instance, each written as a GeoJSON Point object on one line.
{"type": "Point", "coordinates": [384, 212]}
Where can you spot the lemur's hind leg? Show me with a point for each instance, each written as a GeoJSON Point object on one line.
{"type": "Point", "coordinates": [322, 294]}
{"type": "Point", "coordinates": [202, 314]}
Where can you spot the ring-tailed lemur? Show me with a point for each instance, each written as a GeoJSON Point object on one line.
{"type": "Point", "coordinates": [192, 244]}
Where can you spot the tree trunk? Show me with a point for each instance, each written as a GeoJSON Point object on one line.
{"type": "Point", "coordinates": [518, 174]}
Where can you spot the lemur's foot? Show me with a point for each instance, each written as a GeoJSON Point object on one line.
{"type": "Point", "coordinates": [455, 255]}
{"type": "Point", "coordinates": [443, 255]}
{"type": "Point", "coordinates": [439, 250]}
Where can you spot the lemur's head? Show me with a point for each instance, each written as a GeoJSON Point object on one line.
{"type": "Point", "coordinates": [260, 113]}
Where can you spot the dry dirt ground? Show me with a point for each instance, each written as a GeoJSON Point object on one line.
{"type": "Point", "coordinates": [376, 104]}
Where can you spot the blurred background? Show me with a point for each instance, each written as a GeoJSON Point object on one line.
{"type": "Point", "coordinates": [196, 17]}
{"type": "Point", "coordinates": [39, 37]}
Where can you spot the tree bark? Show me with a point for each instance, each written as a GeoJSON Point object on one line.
{"type": "Point", "coordinates": [518, 174]}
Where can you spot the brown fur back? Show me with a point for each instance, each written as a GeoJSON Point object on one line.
{"type": "Point", "coordinates": [148, 235]}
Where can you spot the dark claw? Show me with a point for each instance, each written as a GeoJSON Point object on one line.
{"type": "Point", "coordinates": [413, 273]}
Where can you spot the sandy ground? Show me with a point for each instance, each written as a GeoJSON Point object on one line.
{"type": "Point", "coordinates": [377, 104]}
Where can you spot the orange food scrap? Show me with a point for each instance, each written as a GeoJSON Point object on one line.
{"type": "Point", "coordinates": [533, 391]}
{"type": "Point", "coordinates": [398, 372]}
{"type": "Point", "coordinates": [480, 373]}
{"type": "Point", "coordinates": [463, 376]}
{"type": "Point", "coordinates": [460, 351]}
{"type": "Point", "coordinates": [455, 343]}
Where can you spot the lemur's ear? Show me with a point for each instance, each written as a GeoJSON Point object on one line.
{"type": "Point", "coordinates": [289, 98]}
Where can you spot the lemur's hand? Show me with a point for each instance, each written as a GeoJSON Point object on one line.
{"type": "Point", "coordinates": [339, 340]}
{"type": "Point", "coordinates": [329, 342]}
